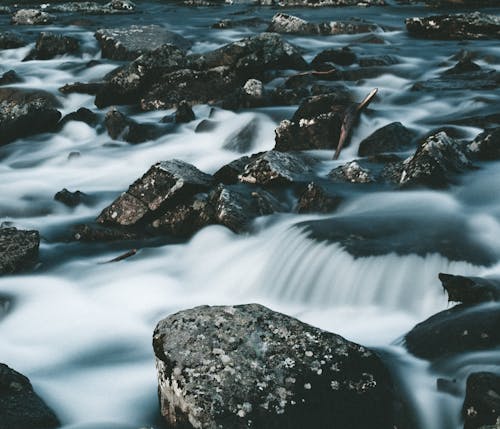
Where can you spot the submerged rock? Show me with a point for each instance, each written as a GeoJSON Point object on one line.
{"type": "Point", "coordinates": [455, 26]}
{"type": "Point", "coordinates": [249, 367]}
{"type": "Point", "coordinates": [242, 139]}
{"type": "Point", "coordinates": [31, 17]}
{"type": "Point", "coordinates": [129, 43]}
{"type": "Point", "coordinates": [164, 184]}
{"type": "Point", "coordinates": [486, 146]}
{"type": "Point", "coordinates": [68, 198]}
{"type": "Point", "coordinates": [343, 57]}
{"type": "Point", "coordinates": [81, 115]}
{"type": "Point", "coordinates": [11, 40]}
{"type": "Point", "coordinates": [18, 249]}
{"type": "Point", "coordinates": [482, 400]}
{"type": "Point", "coordinates": [10, 77]}
{"type": "Point", "coordinates": [184, 113]}
{"type": "Point", "coordinates": [315, 199]}
{"type": "Point", "coordinates": [20, 406]}
{"type": "Point", "coordinates": [50, 45]}
{"type": "Point", "coordinates": [394, 137]}
{"type": "Point", "coordinates": [470, 290]}
{"type": "Point", "coordinates": [26, 112]}
{"type": "Point", "coordinates": [120, 127]}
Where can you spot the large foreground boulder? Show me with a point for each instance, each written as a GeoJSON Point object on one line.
{"type": "Point", "coordinates": [20, 406]}
{"type": "Point", "coordinates": [482, 400]}
{"type": "Point", "coordinates": [455, 27]}
{"type": "Point", "coordinates": [18, 249]}
{"type": "Point", "coordinates": [26, 112]}
{"type": "Point", "coordinates": [249, 367]}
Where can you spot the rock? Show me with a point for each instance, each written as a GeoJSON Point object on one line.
{"type": "Point", "coordinates": [378, 61]}
{"type": "Point", "coordinates": [10, 77]}
{"type": "Point", "coordinates": [242, 139]}
{"type": "Point", "coordinates": [70, 199]}
{"type": "Point", "coordinates": [457, 330]}
{"type": "Point", "coordinates": [31, 17]}
{"type": "Point", "coordinates": [5, 10]}
{"type": "Point", "coordinates": [233, 23]}
{"type": "Point", "coordinates": [289, 24]}
{"type": "Point", "coordinates": [163, 186]}
{"type": "Point", "coordinates": [120, 127]}
{"type": "Point", "coordinates": [20, 406]}
{"type": "Point", "coordinates": [321, 3]}
{"type": "Point", "coordinates": [11, 40]}
{"type": "Point", "coordinates": [91, 88]}
{"type": "Point", "coordinates": [394, 137]}
{"type": "Point", "coordinates": [342, 57]}
{"type": "Point", "coordinates": [464, 26]}
{"type": "Point", "coordinates": [184, 113]}
{"type": "Point", "coordinates": [315, 125]}
{"type": "Point", "coordinates": [249, 367]}
{"type": "Point", "coordinates": [253, 88]}
{"type": "Point", "coordinates": [206, 126]}
{"type": "Point", "coordinates": [126, 85]}
{"type": "Point", "coordinates": [465, 65]}
{"type": "Point", "coordinates": [277, 168]}
{"type": "Point", "coordinates": [18, 249]}
{"type": "Point", "coordinates": [26, 112]}
{"type": "Point", "coordinates": [93, 233]}
{"type": "Point", "coordinates": [351, 172]}
{"type": "Point", "coordinates": [470, 290]}
{"type": "Point", "coordinates": [437, 159]}
{"type": "Point", "coordinates": [94, 8]}
{"type": "Point", "coordinates": [81, 115]}
{"type": "Point", "coordinates": [50, 45]}
{"type": "Point", "coordinates": [482, 400]}
{"type": "Point", "coordinates": [486, 146]}
{"type": "Point", "coordinates": [315, 199]}
{"type": "Point", "coordinates": [229, 173]}
{"type": "Point", "coordinates": [129, 43]}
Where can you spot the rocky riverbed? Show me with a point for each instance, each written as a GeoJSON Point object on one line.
{"type": "Point", "coordinates": [249, 214]}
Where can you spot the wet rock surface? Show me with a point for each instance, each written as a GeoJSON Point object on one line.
{"type": "Point", "coordinates": [343, 57]}
{"type": "Point", "coordinates": [26, 112]}
{"type": "Point", "coordinates": [68, 198]}
{"type": "Point", "coordinates": [470, 290]}
{"type": "Point", "coordinates": [50, 45]}
{"type": "Point", "coordinates": [316, 199]}
{"type": "Point", "coordinates": [131, 42]}
{"type": "Point", "coordinates": [20, 406]}
{"type": "Point", "coordinates": [18, 249]}
{"type": "Point", "coordinates": [352, 172]}
{"type": "Point", "coordinates": [11, 40]}
{"type": "Point", "coordinates": [31, 17]}
{"type": "Point", "coordinates": [247, 366]}
{"type": "Point", "coordinates": [455, 26]}
{"type": "Point", "coordinates": [94, 8]}
{"type": "Point", "coordinates": [10, 77]}
{"type": "Point", "coordinates": [486, 146]}
{"type": "Point", "coordinates": [321, 3]}
{"type": "Point", "coordinates": [394, 137]}
{"type": "Point", "coordinates": [482, 400]}
{"type": "Point", "coordinates": [121, 127]}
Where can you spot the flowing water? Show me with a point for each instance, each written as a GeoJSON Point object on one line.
{"type": "Point", "coordinates": [81, 330]}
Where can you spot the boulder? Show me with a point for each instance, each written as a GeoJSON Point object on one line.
{"type": "Point", "coordinates": [18, 249]}
{"type": "Point", "coordinates": [461, 26]}
{"type": "Point", "coordinates": [351, 172]}
{"type": "Point", "coordinates": [482, 400]}
{"type": "Point", "coordinates": [342, 57]}
{"type": "Point", "coordinates": [91, 88]}
{"type": "Point", "coordinates": [164, 185]}
{"type": "Point", "coordinates": [394, 137]}
{"type": "Point", "coordinates": [233, 23]}
{"type": "Point", "coordinates": [10, 77]}
{"type": "Point", "coordinates": [98, 233]}
{"type": "Point", "coordinates": [121, 127]}
{"type": "Point", "coordinates": [316, 199]}
{"type": "Point", "coordinates": [321, 3]}
{"type": "Point", "coordinates": [26, 112]}
{"type": "Point", "coordinates": [128, 43]}
{"type": "Point", "coordinates": [50, 45]}
{"type": "Point", "coordinates": [20, 406]}
{"type": "Point", "coordinates": [94, 8]}
{"type": "Point", "coordinates": [277, 168]}
{"type": "Point", "coordinates": [31, 17]}
{"type": "Point", "coordinates": [229, 173]}
{"type": "Point", "coordinates": [461, 329]}
{"type": "Point", "coordinates": [486, 146]}
{"type": "Point", "coordinates": [470, 290]}
{"type": "Point", "coordinates": [81, 115]}
{"type": "Point", "coordinates": [184, 113]}
{"type": "Point", "coordinates": [289, 24]}
{"type": "Point", "coordinates": [315, 125]}
{"type": "Point", "coordinates": [243, 139]}
{"type": "Point", "coordinates": [249, 367]}
{"type": "Point", "coordinates": [378, 61]}
{"type": "Point", "coordinates": [11, 40]}
{"type": "Point", "coordinates": [68, 198]}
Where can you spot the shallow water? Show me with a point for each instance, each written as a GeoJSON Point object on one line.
{"type": "Point", "coordinates": [81, 330]}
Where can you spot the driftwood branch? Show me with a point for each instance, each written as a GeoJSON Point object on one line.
{"type": "Point", "coordinates": [122, 256]}
{"type": "Point", "coordinates": [350, 118]}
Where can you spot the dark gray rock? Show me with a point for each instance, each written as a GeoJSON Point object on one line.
{"type": "Point", "coordinates": [455, 26]}
{"type": "Point", "coordinates": [26, 112]}
{"type": "Point", "coordinates": [289, 24]}
{"type": "Point", "coordinates": [482, 400]}
{"type": "Point", "coordinates": [81, 115]}
{"type": "Point", "coordinates": [315, 125]}
{"type": "Point", "coordinates": [5, 10]}
{"type": "Point", "coordinates": [229, 173]}
{"type": "Point", "coordinates": [18, 249]}
{"type": "Point", "coordinates": [321, 3]}
{"type": "Point", "coordinates": [464, 65]}
{"type": "Point", "coordinates": [233, 23]}
{"type": "Point", "coordinates": [20, 406]}
{"type": "Point", "coordinates": [129, 43]}
{"type": "Point", "coordinates": [249, 367]}
{"type": "Point", "coordinates": [460, 329]}
{"type": "Point", "coordinates": [10, 77]}
{"type": "Point", "coordinates": [343, 57]}
{"type": "Point", "coordinates": [394, 137]}
{"type": "Point", "coordinates": [436, 161]}
{"type": "Point", "coordinates": [315, 199]}
{"type": "Point", "coordinates": [486, 146]}
{"type": "Point", "coordinates": [94, 8]}
{"type": "Point", "coordinates": [11, 40]}
{"type": "Point", "coordinates": [184, 113]}
{"type": "Point", "coordinates": [242, 139]}
{"type": "Point", "coordinates": [91, 88]}
{"type": "Point", "coordinates": [277, 168]}
{"type": "Point", "coordinates": [70, 199]}
{"type": "Point", "coordinates": [352, 172]}
{"type": "Point", "coordinates": [378, 61]}
{"type": "Point", "coordinates": [470, 290]}
{"type": "Point", "coordinates": [164, 185]}
{"type": "Point", "coordinates": [98, 233]}
{"type": "Point", "coordinates": [50, 45]}
{"type": "Point", "coordinates": [121, 127]}
{"type": "Point", "coordinates": [31, 17]}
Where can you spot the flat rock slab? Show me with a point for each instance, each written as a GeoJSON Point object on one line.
{"type": "Point", "coordinates": [128, 43]}
{"type": "Point", "coordinates": [249, 367]}
{"type": "Point", "coordinates": [20, 406]}
{"type": "Point", "coordinates": [474, 25]}
{"type": "Point", "coordinates": [18, 249]}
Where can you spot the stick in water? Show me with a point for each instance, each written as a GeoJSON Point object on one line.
{"type": "Point", "coordinates": [350, 119]}
{"type": "Point", "coordinates": [122, 256]}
